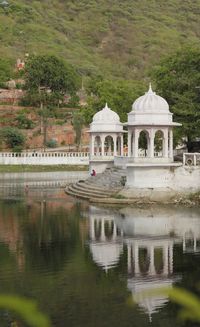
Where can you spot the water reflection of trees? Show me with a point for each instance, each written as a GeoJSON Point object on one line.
{"type": "Point", "coordinates": [44, 233]}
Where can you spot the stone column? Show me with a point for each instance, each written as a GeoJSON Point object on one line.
{"type": "Point", "coordinates": [92, 145]}
{"type": "Point", "coordinates": [165, 260]}
{"type": "Point", "coordinates": [152, 136]}
{"type": "Point", "coordinates": [136, 138]}
{"type": "Point", "coordinates": [103, 237]}
{"type": "Point", "coordinates": [166, 146]}
{"type": "Point", "coordinates": [114, 231]}
{"type": "Point", "coordinates": [152, 265]}
{"type": "Point", "coordinates": [184, 243]}
{"type": "Point", "coordinates": [195, 244]}
{"type": "Point", "coordinates": [115, 145]}
{"type": "Point", "coordinates": [122, 145]}
{"type": "Point", "coordinates": [171, 144]}
{"type": "Point", "coordinates": [129, 257]}
{"type": "Point", "coordinates": [129, 143]}
{"type": "Point", "coordinates": [136, 260]}
{"type": "Point", "coordinates": [92, 229]}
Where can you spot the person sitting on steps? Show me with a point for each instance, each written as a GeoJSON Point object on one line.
{"type": "Point", "coordinates": [93, 173]}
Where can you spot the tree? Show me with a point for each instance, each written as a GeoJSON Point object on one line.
{"type": "Point", "coordinates": [5, 71]}
{"type": "Point", "coordinates": [13, 138]}
{"type": "Point", "coordinates": [78, 122]}
{"type": "Point", "coordinates": [48, 79]}
{"type": "Point", "coordinates": [119, 94]}
{"type": "Point", "coordinates": [178, 80]}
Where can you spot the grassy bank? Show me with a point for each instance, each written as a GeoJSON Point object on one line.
{"type": "Point", "coordinates": [39, 168]}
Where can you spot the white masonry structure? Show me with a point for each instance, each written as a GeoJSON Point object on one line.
{"type": "Point", "coordinates": [149, 162]}
{"type": "Point", "coordinates": [106, 139]}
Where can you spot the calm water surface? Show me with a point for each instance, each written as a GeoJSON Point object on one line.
{"type": "Point", "coordinates": [84, 264]}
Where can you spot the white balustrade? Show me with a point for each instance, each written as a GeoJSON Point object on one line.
{"type": "Point", "coordinates": [44, 158]}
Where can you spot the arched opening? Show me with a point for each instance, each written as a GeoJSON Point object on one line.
{"type": "Point", "coordinates": [189, 241]}
{"type": "Point", "coordinates": [97, 229]}
{"type": "Point", "coordinates": [143, 144]}
{"type": "Point", "coordinates": [108, 146]}
{"type": "Point", "coordinates": [159, 144]}
{"type": "Point", "coordinates": [144, 260]}
{"type": "Point", "coordinates": [158, 260]}
{"type": "Point", "coordinates": [109, 226]}
{"type": "Point", "coordinates": [97, 146]}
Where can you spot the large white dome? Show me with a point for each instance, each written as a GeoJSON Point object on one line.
{"type": "Point", "coordinates": [106, 115]}
{"type": "Point", "coordinates": [150, 102]}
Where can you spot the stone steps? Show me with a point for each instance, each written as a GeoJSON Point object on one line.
{"type": "Point", "coordinates": [101, 186]}
{"type": "Point", "coordinates": [72, 190]}
{"type": "Point", "coordinates": [92, 187]}
{"type": "Point", "coordinates": [76, 195]}
{"type": "Point", "coordinates": [91, 192]}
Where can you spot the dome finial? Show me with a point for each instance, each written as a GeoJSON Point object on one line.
{"type": "Point", "coordinates": [150, 88]}
{"type": "Point", "coordinates": [106, 106]}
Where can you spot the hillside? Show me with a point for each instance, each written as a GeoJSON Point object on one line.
{"type": "Point", "coordinates": [116, 38]}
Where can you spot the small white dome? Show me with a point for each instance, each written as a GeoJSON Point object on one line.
{"type": "Point", "coordinates": [106, 115]}
{"type": "Point", "coordinates": [106, 120]}
{"type": "Point", "coordinates": [150, 102]}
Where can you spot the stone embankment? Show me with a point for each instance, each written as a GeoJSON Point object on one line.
{"type": "Point", "coordinates": [103, 186]}
{"type": "Point", "coordinates": [108, 188]}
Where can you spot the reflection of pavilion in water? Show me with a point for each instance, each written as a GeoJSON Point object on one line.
{"type": "Point", "coordinates": [148, 236]}
{"type": "Point", "coordinates": [105, 239]}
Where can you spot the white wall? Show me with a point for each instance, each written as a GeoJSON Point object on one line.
{"type": "Point", "coordinates": [180, 179]}
{"type": "Point", "coordinates": [101, 165]}
{"type": "Point", "coordinates": [44, 158]}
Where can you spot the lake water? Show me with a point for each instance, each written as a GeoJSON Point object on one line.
{"type": "Point", "coordinates": [84, 264]}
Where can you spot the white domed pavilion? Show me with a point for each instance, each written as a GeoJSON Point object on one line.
{"type": "Point", "coordinates": [150, 122]}
{"type": "Point", "coordinates": [106, 139]}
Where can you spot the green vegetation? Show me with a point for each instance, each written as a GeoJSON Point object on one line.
{"type": "Point", "coordinates": [118, 94]}
{"type": "Point", "coordinates": [40, 168]}
{"type": "Point", "coordinates": [78, 123]}
{"type": "Point", "coordinates": [24, 308]}
{"type": "Point", "coordinates": [178, 81]}
{"type": "Point", "coordinates": [116, 38]}
{"type": "Point", "coordinates": [47, 80]}
{"type": "Point", "coordinates": [23, 122]}
{"type": "Point", "coordinates": [6, 70]}
{"type": "Point", "coordinates": [13, 138]}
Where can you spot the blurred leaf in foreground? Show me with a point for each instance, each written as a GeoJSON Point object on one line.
{"type": "Point", "coordinates": [26, 309]}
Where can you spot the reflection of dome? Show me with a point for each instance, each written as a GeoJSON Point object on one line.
{"type": "Point", "coordinates": [150, 102]}
{"type": "Point", "coordinates": [106, 255]}
{"type": "Point", "coordinates": [106, 115]}
{"type": "Point", "coordinates": [106, 120]}
{"type": "Point", "coordinates": [153, 302]}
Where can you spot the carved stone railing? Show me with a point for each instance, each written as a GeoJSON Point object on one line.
{"type": "Point", "coordinates": [43, 154]}
{"type": "Point", "coordinates": [44, 158]}
{"type": "Point", "coordinates": [191, 159]}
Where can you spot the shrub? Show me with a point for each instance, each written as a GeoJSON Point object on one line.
{"type": "Point", "coordinates": [51, 143]}
{"type": "Point", "coordinates": [24, 122]}
{"type": "Point", "coordinates": [12, 137]}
